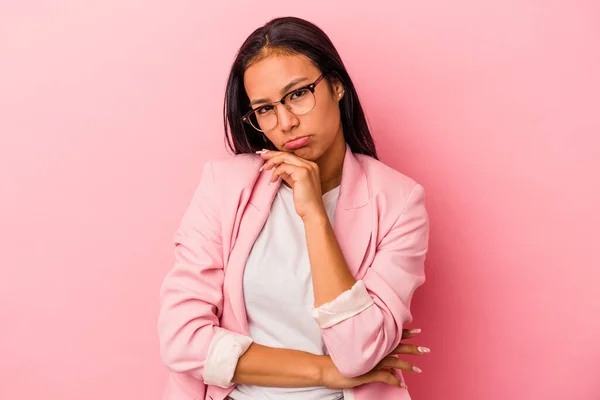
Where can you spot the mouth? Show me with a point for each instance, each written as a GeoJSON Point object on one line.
{"type": "Point", "coordinates": [297, 143]}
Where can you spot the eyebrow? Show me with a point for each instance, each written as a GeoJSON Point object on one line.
{"type": "Point", "coordinates": [283, 91]}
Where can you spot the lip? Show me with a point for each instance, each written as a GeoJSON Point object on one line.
{"type": "Point", "coordinates": [297, 143]}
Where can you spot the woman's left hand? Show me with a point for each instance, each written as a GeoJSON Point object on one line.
{"type": "Point", "coordinates": [302, 176]}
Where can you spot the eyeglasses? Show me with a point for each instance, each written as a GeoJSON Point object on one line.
{"type": "Point", "coordinates": [299, 102]}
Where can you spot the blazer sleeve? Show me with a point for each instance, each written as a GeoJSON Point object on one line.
{"type": "Point", "coordinates": [364, 324]}
{"type": "Point", "coordinates": [191, 295]}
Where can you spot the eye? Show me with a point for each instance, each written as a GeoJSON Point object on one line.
{"type": "Point", "coordinates": [298, 94]}
{"type": "Point", "coordinates": [263, 110]}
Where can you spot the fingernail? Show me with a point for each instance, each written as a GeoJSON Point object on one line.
{"type": "Point", "coordinates": [418, 330]}
{"type": "Point", "coordinates": [423, 349]}
{"type": "Point", "coordinates": [403, 385]}
{"type": "Point", "coordinates": [261, 168]}
{"type": "Point", "coordinates": [263, 151]}
{"type": "Point", "coordinates": [417, 369]}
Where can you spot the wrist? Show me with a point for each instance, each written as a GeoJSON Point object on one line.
{"type": "Point", "coordinates": [318, 218]}
{"type": "Point", "coordinates": [323, 365]}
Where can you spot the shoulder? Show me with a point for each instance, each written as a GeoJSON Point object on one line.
{"type": "Point", "coordinates": [384, 180]}
{"type": "Point", "coordinates": [398, 198]}
{"type": "Point", "coordinates": [233, 163]}
{"type": "Point", "coordinates": [237, 170]}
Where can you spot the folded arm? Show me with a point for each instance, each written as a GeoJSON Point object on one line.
{"type": "Point", "coordinates": [362, 321]}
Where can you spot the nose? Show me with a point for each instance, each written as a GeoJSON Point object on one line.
{"type": "Point", "coordinates": [287, 120]}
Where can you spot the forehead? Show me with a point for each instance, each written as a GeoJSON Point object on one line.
{"type": "Point", "coordinates": [270, 74]}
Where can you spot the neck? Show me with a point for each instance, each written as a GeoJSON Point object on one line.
{"type": "Point", "coordinates": [331, 163]}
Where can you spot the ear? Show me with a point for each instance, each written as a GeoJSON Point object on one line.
{"type": "Point", "coordinates": [337, 88]}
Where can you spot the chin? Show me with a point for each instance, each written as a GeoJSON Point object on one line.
{"type": "Point", "coordinates": [307, 152]}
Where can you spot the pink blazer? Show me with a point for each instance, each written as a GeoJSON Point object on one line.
{"type": "Point", "coordinates": [381, 225]}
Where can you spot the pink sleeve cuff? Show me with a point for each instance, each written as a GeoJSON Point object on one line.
{"type": "Point", "coordinates": [346, 305]}
{"type": "Point", "coordinates": [224, 352]}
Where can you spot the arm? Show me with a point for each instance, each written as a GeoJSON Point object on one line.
{"type": "Point", "coordinates": [191, 301]}
{"type": "Point", "coordinates": [330, 274]}
{"type": "Point", "coordinates": [292, 368]}
{"type": "Point", "coordinates": [285, 368]}
{"type": "Point", "coordinates": [191, 297]}
{"type": "Point", "coordinates": [362, 321]}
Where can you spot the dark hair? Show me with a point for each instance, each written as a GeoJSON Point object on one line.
{"type": "Point", "coordinates": [292, 36]}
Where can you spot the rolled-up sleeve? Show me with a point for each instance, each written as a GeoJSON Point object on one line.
{"type": "Point", "coordinates": [359, 333]}
{"type": "Point", "coordinates": [191, 298]}
{"type": "Point", "coordinates": [224, 352]}
{"type": "Point", "coordinates": [346, 305]}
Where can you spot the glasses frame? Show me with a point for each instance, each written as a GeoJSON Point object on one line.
{"type": "Point", "coordinates": [311, 87]}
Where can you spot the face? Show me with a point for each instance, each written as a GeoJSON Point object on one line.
{"type": "Point", "coordinates": [269, 79]}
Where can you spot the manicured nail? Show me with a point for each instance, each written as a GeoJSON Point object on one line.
{"type": "Point", "coordinates": [423, 349]}
{"type": "Point", "coordinates": [403, 385]}
{"type": "Point", "coordinates": [263, 151]}
{"type": "Point", "coordinates": [417, 369]}
{"type": "Point", "coordinates": [418, 330]}
{"type": "Point", "coordinates": [261, 168]}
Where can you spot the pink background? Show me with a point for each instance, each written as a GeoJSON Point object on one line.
{"type": "Point", "coordinates": [108, 110]}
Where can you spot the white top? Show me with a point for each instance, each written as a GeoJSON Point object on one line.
{"type": "Point", "coordinates": [278, 293]}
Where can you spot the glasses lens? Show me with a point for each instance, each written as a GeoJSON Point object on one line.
{"type": "Point", "coordinates": [264, 119]}
{"type": "Point", "coordinates": [300, 101]}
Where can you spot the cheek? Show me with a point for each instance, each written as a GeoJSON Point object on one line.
{"type": "Point", "coordinates": [273, 138]}
{"type": "Point", "coordinates": [329, 117]}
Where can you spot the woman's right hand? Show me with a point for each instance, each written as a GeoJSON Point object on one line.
{"type": "Point", "coordinates": [383, 372]}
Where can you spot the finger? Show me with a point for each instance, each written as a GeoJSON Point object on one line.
{"type": "Point", "coordinates": [287, 157]}
{"type": "Point", "coordinates": [268, 155]}
{"type": "Point", "coordinates": [286, 177]}
{"type": "Point", "coordinates": [279, 157]}
{"type": "Point", "coordinates": [384, 377]}
{"type": "Point", "coordinates": [275, 161]}
{"type": "Point", "coordinates": [394, 362]}
{"type": "Point", "coordinates": [405, 348]}
{"type": "Point", "coordinates": [408, 333]}
{"type": "Point", "coordinates": [296, 173]}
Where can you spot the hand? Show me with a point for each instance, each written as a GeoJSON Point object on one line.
{"type": "Point", "coordinates": [302, 176]}
{"type": "Point", "coordinates": [383, 372]}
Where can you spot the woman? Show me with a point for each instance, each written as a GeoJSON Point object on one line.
{"type": "Point", "coordinates": [297, 258]}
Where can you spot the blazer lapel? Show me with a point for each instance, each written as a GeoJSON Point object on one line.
{"type": "Point", "coordinates": [253, 216]}
{"type": "Point", "coordinates": [353, 221]}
